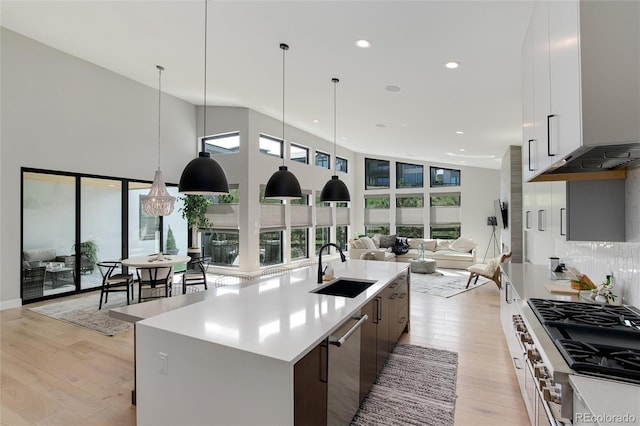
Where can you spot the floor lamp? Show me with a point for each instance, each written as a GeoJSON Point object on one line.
{"type": "Point", "coordinates": [493, 222]}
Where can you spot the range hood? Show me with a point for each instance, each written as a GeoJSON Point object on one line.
{"type": "Point", "coordinates": [594, 162]}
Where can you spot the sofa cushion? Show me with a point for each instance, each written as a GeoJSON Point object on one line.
{"type": "Point", "coordinates": [376, 240]}
{"type": "Point", "coordinates": [41, 255]}
{"type": "Point", "coordinates": [357, 244]}
{"type": "Point", "coordinates": [452, 255]}
{"type": "Point", "coordinates": [414, 243]}
{"type": "Point", "coordinates": [368, 243]}
{"type": "Point", "coordinates": [443, 245]}
{"type": "Point", "coordinates": [387, 241]}
{"type": "Point", "coordinates": [463, 245]}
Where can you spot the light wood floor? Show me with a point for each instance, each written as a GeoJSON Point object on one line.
{"type": "Point", "coordinates": [55, 373]}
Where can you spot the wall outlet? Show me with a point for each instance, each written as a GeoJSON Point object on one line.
{"type": "Point", "coordinates": [164, 363]}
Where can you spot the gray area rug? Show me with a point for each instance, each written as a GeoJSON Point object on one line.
{"type": "Point", "coordinates": [417, 386]}
{"type": "Point", "coordinates": [444, 283]}
{"type": "Point", "coordinates": [83, 311]}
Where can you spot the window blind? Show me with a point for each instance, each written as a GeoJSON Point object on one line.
{"type": "Point", "coordinates": [445, 215]}
{"type": "Point", "coordinates": [224, 216]}
{"type": "Point", "coordinates": [272, 216]}
{"type": "Point", "coordinates": [342, 216]}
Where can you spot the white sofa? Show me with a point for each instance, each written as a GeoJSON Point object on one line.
{"type": "Point", "coordinates": [453, 254]}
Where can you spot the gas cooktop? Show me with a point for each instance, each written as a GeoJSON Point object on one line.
{"type": "Point", "coordinates": [599, 340]}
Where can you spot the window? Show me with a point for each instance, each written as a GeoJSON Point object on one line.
{"type": "Point", "coordinates": [376, 202]}
{"type": "Point", "coordinates": [299, 153]}
{"type": "Point", "coordinates": [321, 203]}
{"type": "Point", "coordinates": [299, 243]}
{"type": "Point", "coordinates": [267, 200]}
{"type": "Point", "coordinates": [226, 143]}
{"type": "Point", "coordinates": [341, 165]}
{"type": "Point", "coordinates": [271, 146]}
{"type": "Point", "coordinates": [270, 248]}
{"type": "Point", "coordinates": [412, 201]}
{"type": "Point", "coordinates": [372, 230]}
{"type": "Point", "coordinates": [444, 177]}
{"type": "Point", "coordinates": [222, 246]}
{"type": "Point", "coordinates": [446, 231]}
{"type": "Point", "coordinates": [342, 204]}
{"type": "Point", "coordinates": [376, 173]}
{"type": "Point", "coordinates": [409, 175]}
{"type": "Point", "coordinates": [323, 236]}
{"type": "Point", "coordinates": [322, 159]}
{"type": "Point", "coordinates": [410, 231]}
{"type": "Point", "coordinates": [233, 197]}
{"type": "Point", "coordinates": [341, 236]}
{"type": "Point", "coordinates": [444, 200]}
{"type": "Point", "coordinates": [304, 201]}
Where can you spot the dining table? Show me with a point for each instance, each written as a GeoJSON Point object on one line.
{"type": "Point", "coordinates": [154, 261]}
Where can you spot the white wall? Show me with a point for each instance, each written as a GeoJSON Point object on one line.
{"type": "Point", "coordinates": [62, 113]}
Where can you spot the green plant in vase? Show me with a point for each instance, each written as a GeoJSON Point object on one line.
{"type": "Point", "coordinates": [171, 247]}
{"type": "Point", "coordinates": [193, 211]}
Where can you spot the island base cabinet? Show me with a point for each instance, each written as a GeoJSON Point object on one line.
{"type": "Point", "coordinates": [368, 348]}
{"type": "Point", "coordinates": [310, 387]}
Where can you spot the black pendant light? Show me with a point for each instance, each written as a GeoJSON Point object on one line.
{"type": "Point", "coordinates": [283, 185]}
{"type": "Point", "coordinates": [203, 175]}
{"type": "Point", "coordinates": [334, 189]}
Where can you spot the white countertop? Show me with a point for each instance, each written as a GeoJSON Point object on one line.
{"type": "Point", "coordinates": [276, 317]}
{"type": "Point", "coordinates": [610, 402]}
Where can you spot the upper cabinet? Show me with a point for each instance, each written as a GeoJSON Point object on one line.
{"type": "Point", "coordinates": [581, 80]}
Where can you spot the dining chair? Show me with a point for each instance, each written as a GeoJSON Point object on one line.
{"type": "Point", "coordinates": [196, 274]}
{"type": "Point", "coordinates": [491, 270]}
{"type": "Point", "coordinates": [114, 282]}
{"type": "Point", "coordinates": [152, 279]}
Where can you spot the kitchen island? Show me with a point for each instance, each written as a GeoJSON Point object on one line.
{"type": "Point", "coordinates": [230, 358]}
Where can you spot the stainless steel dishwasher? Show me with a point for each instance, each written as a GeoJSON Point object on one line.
{"type": "Point", "coordinates": [343, 387]}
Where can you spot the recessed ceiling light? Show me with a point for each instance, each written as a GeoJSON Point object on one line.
{"type": "Point", "coordinates": [462, 150]}
{"type": "Point", "coordinates": [344, 138]}
{"type": "Point", "coordinates": [459, 132]}
{"type": "Point", "coordinates": [452, 64]}
{"type": "Point", "coordinates": [316, 121]}
{"type": "Point", "coordinates": [380, 125]}
{"type": "Point", "coordinates": [470, 155]}
{"type": "Point", "coordinates": [392, 88]}
{"type": "Point", "coordinates": [362, 43]}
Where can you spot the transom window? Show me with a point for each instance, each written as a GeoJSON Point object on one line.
{"type": "Point", "coordinates": [226, 143]}
{"type": "Point", "coordinates": [341, 164]}
{"type": "Point", "coordinates": [376, 173]}
{"type": "Point", "coordinates": [322, 159]}
{"type": "Point", "coordinates": [444, 177]}
{"type": "Point", "coordinates": [409, 175]}
{"type": "Point", "coordinates": [271, 146]}
{"type": "Point", "coordinates": [299, 153]}
{"type": "Point", "coordinates": [410, 201]}
{"type": "Point", "coordinates": [376, 202]}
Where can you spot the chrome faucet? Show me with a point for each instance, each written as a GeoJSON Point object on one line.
{"type": "Point", "coordinates": [320, 271]}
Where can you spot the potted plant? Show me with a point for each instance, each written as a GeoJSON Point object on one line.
{"type": "Point", "coordinates": [193, 211]}
{"type": "Point", "coordinates": [88, 255]}
{"type": "Point", "coordinates": [171, 247]}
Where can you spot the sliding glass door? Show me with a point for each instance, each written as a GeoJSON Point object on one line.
{"type": "Point", "coordinates": [48, 234]}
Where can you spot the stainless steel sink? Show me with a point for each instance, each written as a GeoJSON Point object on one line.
{"type": "Point", "coordinates": [345, 287]}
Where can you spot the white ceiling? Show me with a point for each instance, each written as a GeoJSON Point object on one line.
{"type": "Point", "coordinates": [411, 41]}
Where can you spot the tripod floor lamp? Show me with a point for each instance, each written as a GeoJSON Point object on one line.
{"type": "Point", "coordinates": [493, 222]}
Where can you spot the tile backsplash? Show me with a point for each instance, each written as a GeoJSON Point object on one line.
{"type": "Point", "coordinates": [599, 259]}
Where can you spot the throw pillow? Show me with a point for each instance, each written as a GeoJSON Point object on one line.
{"type": "Point", "coordinates": [376, 240]}
{"type": "Point", "coordinates": [443, 245]}
{"type": "Point", "coordinates": [463, 245]}
{"type": "Point", "coordinates": [359, 244]}
{"type": "Point", "coordinates": [368, 243]}
{"type": "Point", "coordinates": [387, 241]}
{"type": "Point", "coordinates": [430, 245]}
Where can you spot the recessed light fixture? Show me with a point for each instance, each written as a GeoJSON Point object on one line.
{"type": "Point", "coordinates": [380, 125]}
{"type": "Point", "coordinates": [344, 138]}
{"type": "Point", "coordinates": [362, 43]}
{"type": "Point", "coordinates": [462, 150]}
{"type": "Point", "coordinates": [316, 121]}
{"type": "Point", "coordinates": [452, 64]}
{"type": "Point", "coordinates": [470, 155]}
{"type": "Point", "coordinates": [392, 88]}
{"type": "Point", "coordinates": [459, 132]}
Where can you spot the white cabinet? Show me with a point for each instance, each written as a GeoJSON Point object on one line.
{"type": "Point", "coordinates": [538, 221]}
{"type": "Point", "coordinates": [584, 79]}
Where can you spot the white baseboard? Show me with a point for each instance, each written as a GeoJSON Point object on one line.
{"type": "Point", "coordinates": [10, 304]}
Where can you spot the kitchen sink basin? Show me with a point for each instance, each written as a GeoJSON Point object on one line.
{"type": "Point", "coordinates": [345, 287]}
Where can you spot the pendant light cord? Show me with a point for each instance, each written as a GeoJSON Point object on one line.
{"type": "Point", "coordinates": [204, 102]}
{"type": "Point", "coordinates": [335, 159]}
{"type": "Point", "coordinates": [160, 69]}
{"type": "Point", "coordinates": [284, 48]}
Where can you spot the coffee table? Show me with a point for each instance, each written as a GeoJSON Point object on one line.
{"type": "Point", "coordinates": [54, 269]}
{"type": "Point", "coordinates": [423, 266]}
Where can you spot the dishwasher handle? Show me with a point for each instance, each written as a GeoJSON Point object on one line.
{"type": "Point", "coordinates": [340, 341]}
